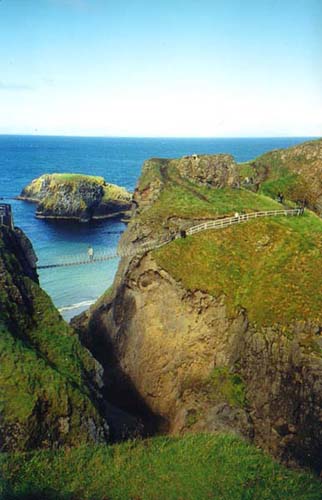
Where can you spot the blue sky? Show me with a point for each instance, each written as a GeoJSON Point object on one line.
{"type": "Point", "coordinates": [167, 68]}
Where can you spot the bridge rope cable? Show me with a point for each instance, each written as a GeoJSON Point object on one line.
{"type": "Point", "coordinates": [132, 250]}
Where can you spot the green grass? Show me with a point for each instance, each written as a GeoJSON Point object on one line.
{"type": "Point", "coordinates": [194, 467]}
{"type": "Point", "coordinates": [113, 192]}
{"type": "Point", "coordinates": [26, 377]}
{"type": "Point", "coordinates": [296, 172]}
{"type": "Point", "coordinates": [281, 180]}
{"type": "Point", "coordinates": [42, 363]}
{"type": "Point", "coordinates": [245, 169]}
{"type": "Point", "coordinates": [53, 337]}
{"type": "Point", "coordinates": [226, 386]}
{"type": "Point", "coordinates": [270, 267]}
{"type": "Point", "coordinates": [47, 368]}
{"type": "Point", "coordinates": [193, 202]}
{"type": "Point", "coordinates": [77, 178]}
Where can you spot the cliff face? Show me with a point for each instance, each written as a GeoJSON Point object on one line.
{"type": "Point", "coordinates": [220, 330]}
{"type": "Point", "coordinates": [48, 381]}
{"type": "Point", "coordinates": [75, 196]}
{"type": "Point", "coordinates": [213, 170]}
{"type": "Point", "coordinates": [199, 367]}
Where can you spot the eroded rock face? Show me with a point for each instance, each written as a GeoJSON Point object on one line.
{"type": "Point", "coordinates": [75, 196]}
{"type": "Point", "coordinates": [164, 340]}
{"type": "Point", "coordinates": [283, 373]}
{"type": "Point", "coordinates": [213, 170]}
{"type": "Point", "coordinates": [199, 369]}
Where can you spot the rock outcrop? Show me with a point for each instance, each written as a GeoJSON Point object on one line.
{"type": "Point", "coordinates": [221, 330]}
{"type": "Point", "coordinates": [76, 196]}
{"type": "Point", "coordinates": [49, 394]}
{"type": "Point", "coordinates": [217, 171]}
{"type": "Point", "coordinates": [212, 170]}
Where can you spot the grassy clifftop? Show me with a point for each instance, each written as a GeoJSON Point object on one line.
{"type": "Point", "coordinates": [193, 467]}
{"type": "Point", "coordinates": [272, 267]}
{"type": "Point", "coordinates": [269, 267]}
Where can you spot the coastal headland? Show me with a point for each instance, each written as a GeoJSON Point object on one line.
{"type": "Point", "coordinates": [213, 340]}
{"type": "Point", "coordinates": [221, 330]}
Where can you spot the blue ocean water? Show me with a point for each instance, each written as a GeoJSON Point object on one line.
{"type": "Point", "coordinates": [119, 160]}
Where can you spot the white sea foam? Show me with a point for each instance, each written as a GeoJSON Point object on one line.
{"type": "Point", "coordinates": [77, 305]}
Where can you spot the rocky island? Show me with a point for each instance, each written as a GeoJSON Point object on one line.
{"type": "Point", "coordinates": [76, 197]}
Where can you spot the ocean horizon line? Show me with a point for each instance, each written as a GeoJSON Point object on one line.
{"type": "Point", "coordinates": [246, 137]}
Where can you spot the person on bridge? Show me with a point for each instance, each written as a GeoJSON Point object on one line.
{"type": "Point", "coordinates": [90, 253]}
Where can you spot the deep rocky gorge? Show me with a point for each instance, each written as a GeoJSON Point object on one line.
{"type": "Point", "coordinates": [76, 197]}
{"type": "Point", "coordinates": [221, 331]}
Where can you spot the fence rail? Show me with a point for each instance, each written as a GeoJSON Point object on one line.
{"type": "Point", "coordinates": [132, 250]}
{"type": "Point", "coordinates": [228, 221]}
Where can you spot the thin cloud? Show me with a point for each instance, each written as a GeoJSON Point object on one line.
{"type": "Point", "coordinates": [15, 87]}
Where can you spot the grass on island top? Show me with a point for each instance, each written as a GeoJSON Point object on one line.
{"type": "Point", "coordinates": [68, 177]}
{"type": "Point", "coordinates": [110, 191]}
{"type": "Point", "coordinates": [193, 467]}
{"type": "Point", "coordinates": [271, 267]}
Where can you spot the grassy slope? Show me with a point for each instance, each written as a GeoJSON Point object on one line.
{"type": "Point", "coordinates": [113, 192]}
{"type": "Point", "coordinates": [270, 267]}
{"type": "Point", "coordinates": [182, 198]}
{"type": "Point", "coordinates": [295, 172]}
{"type": "Point", "coordinates": [194, 467]}
{"type": "Point", "coordinates": [41, 358]}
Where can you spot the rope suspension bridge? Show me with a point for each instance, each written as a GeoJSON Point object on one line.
{"type": "Point", "coordinates": [139, 249]}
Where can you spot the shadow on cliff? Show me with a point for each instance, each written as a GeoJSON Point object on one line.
{"type": "Point", "coordinates": [123, 404]}
{"type": "Point", "coordinates": [130, 415]}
